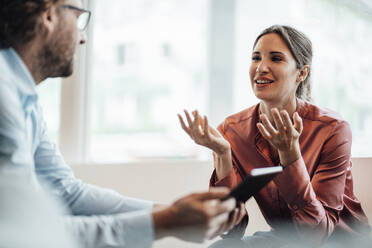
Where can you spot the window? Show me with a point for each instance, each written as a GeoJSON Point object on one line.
{"type": "Point", "coordinates": [341, 37]}
{"type": "Point", "coordinates": [148, 60]}
{"type": "Point", "coordinates": [148, 64]}
{"type": "Point", "coordinates": [49, 99]}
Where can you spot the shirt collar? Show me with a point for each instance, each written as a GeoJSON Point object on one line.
{"type": "Point", "coordinates": [301, 108]}
{"type": "Point", "coordinates": [25, 82]}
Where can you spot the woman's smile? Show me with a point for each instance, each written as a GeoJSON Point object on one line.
{"type": "Point", "coordinates": [263, 81]}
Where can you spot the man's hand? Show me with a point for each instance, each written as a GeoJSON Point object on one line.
{"type": "Point", "coordinates": [197, 217]}
{"type": "Point", "coordinates": [235, 218]}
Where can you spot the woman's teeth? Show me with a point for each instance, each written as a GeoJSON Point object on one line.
{"type": "Point", "coordinates": [263, 82]}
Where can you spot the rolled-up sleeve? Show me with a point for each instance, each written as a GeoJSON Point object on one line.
{"type": "Point", "coordinates": [315, 203]}
{"type": "Point", "coordinates": [228, 181]}
{"type": "Point", "coordinates": [233, 178]}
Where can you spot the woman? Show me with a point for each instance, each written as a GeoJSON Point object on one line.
{"type": "Point", "coordinates": [313, 196]}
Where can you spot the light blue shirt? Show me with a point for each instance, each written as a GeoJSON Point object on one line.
{"type": "Point", "coordinates": [99, 217]}
{"type": "Point", "coordinates": [28, 216]}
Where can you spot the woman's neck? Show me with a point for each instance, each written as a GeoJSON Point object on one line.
{"type": "Point", "coordinates": [265, 107]}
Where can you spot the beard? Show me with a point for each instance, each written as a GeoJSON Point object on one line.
{"type": "Point", "coordinates": [55, 65]}
{"type": "Point", "coordinates": [57, 57]}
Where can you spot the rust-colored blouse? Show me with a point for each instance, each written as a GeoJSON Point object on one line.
{"type": "Point", "coordinates": [314, 195]}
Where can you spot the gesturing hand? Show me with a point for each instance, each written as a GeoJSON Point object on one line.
{"type": "Point", "coordinates": [203, 134]}
{"type": "Point", "coordinates": [284, 136]}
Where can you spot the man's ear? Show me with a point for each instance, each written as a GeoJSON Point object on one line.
{"type": "Point", "coordinates": [49, 20]}
{"type": "Point", "coordinates": [304, 72]}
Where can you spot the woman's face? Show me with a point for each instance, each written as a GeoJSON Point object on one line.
{"type": "Point", "coordinates": [273, 71]}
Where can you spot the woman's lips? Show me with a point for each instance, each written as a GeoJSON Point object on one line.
{"type": "Point", "coordinates": [260, 82]}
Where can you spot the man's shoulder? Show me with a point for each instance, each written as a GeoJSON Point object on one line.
{"type": "Point", "coordinates": [7, 76]}
{"type": "Point", "coordinates": [5, 67]}
{"type": "Point", "coordinates": [8, 89]}
{"type": "Point", "coordinates": [10, 93]}
{"type": "Point", "coordinates": [10, 98]}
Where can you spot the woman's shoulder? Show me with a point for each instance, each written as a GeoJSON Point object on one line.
{"type": "Point", "coordinates": [241, 121]}
{"type": "Point", "coordinates": [312, 112]}
{"type": "Point", "coordinates": [242, 116]}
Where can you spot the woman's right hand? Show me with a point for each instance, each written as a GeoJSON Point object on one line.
{"type": "Point", "coordinates": [203, 134]}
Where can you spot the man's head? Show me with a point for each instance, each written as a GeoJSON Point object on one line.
{"type": "Point", "coordinates": [50, 27]}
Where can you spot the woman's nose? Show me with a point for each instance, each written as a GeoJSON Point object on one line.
{"type": "Point", "coordinates": [262, 68]}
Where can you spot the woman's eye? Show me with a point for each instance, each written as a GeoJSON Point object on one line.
{"type": "Point", "coordinates": [276, 58]}
{"type": "Point", "coordinates": [256, 58]}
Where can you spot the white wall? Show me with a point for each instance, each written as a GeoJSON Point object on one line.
{"type": "Point", "coordinates": [165, 181]}
{"type": "Point", "coordinates": [162, 182]}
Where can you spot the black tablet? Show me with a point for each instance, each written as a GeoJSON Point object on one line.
{"type": "Point", "coordinates": [254, 182]}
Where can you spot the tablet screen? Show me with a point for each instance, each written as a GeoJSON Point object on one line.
{"type": "Point", "coordinates": [254, 182]}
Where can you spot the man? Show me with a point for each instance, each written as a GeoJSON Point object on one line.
{"type": "Point", "coordinates": [38, 40]}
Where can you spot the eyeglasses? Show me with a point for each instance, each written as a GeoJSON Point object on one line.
{"type": "Point", "coordinates": [84, 17]}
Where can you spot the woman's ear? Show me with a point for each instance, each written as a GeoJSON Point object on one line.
{"type": "Point", "coordinates": [304, 72]}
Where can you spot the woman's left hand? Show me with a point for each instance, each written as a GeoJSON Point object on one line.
{"type": "Point", "coordinates": [285, 137]}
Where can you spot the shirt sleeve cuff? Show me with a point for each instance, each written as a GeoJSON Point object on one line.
{"type": "Point", "coordinates": [293, 184]}
{"type": "Point", "coordinates": [228, 181]}
{"type": "Point", "coordinates": [137, 229]}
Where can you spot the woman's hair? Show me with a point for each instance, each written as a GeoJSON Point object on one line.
{"type": "Point", "coordinates": [301, 49]}
{"type": "Point", "coordinates": [20, 20]}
